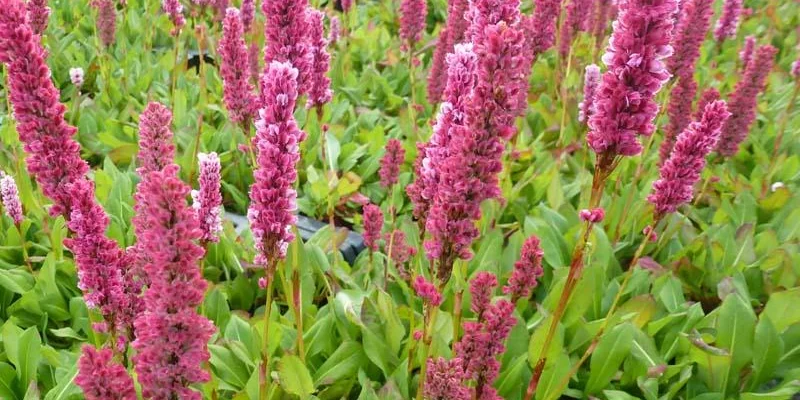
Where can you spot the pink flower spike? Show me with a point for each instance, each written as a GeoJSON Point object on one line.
{"type": "Point", "coordinates": [248, 14]}
{"type": "Point", "coordinates": [742, 102]}
{"type": "Point", "coordinates": [436, 75]}
{"type": "Point", "coordinates": [399, 249]}
{"type": "Point", "coordinates": [156, 149]}
{"type": "Point", "coordinates": [346, 5]}
{"type": "Point", "coordinates": [577, 20]}
{"type": "Point", "coordinates": [334, 30]}
{"type": "Point", "coordinates": [625, 105]}
{"type": "Point", "coordinates": [391, 162]}
{"type": "Point", "coordinates": [728, 22]}
{"type": "Point", "coordinates": [709, 95]}
{"type": "Point", "coordinates": [171, 338]}
{"type": "Point", "coordinates": [174, 9]}
{"type": "Point", "coordinates": [76, 76]}
{"type": "Point", "coordinates": [482, 287]}
{"type": "Point", "coordinates": [746, 54]}
{"type": "Point", "coordinates": [239, 96]}
{"type": "Point", "coordinates": [590, 82]}
{"type": "Point", "coordinates": [689, 35]}
{"type": "Point", "coordinates": [286, 33]}
{"type": "Point", "coordinates": [101, 377]}
{"type": "Point", "coordinates": [320, 90]}
{"type": "Point", "coordinates": [679, 111]}
{"type": "Point", "coordinates": [412, 20]}
{"type": "Point", "coordinates": [427, 291]}
{"type": "Point", "coordinates": [272, 195]}
{"type": "Point", "coordinates": [207, 202]}
{"type": "Point", "coordinates": [38, 15]}
{"type": "Point", "coordinates": [10, 197]}
{"type": "Point", "coordinates": [443, 380]}
{"type": "Point", "coordinates": [527, 270]}
{"type": "Point", "coordinates": [373, 225]}
{"type": "Point", "coordinates": [681, 171]}
{"type": "Point", "coordinates": [106, 20]}
{"type": "Point", "coordinates": [544, 21]}
{"type": "Point", "coordinates": [796, 69]}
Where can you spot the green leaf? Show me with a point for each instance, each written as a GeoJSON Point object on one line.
{"type": "Point", "coordinates": [342, 364]}
{"type": "Point", "coordinates": [16, 280]}
{"type": "Point", "coordinates": [612, 349]}
{"type": "Point", "coordinates": [735, 329]}
{"type": "Point", "coordinates": [767, 350]}
{"type": "Point", "coordinates": [28, 356]}
{"type": "Point", "coordinates": [295, 377]}
{"type": "Point", "coordinates": [782, 308]}
{"type": "Point", "coordinates": [8, 380]}
{"type": "Point", "coordinates": [66, 386]}
{"type": "Point", "coordinates": [228, 367]}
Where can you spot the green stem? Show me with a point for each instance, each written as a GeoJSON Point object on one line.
{"type": "Point", "coordinates": [264, 378]}
{"type": "Point", "coordinates": [412, 81]}
{"type": "Point", "coordinates": [430, 317]}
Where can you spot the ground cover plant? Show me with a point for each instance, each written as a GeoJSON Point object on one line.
{"type": "Point", "coordinates": [514, 200]}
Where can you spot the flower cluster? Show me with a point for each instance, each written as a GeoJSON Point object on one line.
{"type": "Point", "coordinates": [484, 13]}
{"type": "Point", "coordinates": [436, 75]}
{"type": "Point", "coordinates": [174, 9]}
{"type": "Point", "coordinates": [10, 197]}
{"type": "Point", "coordinates": [484, 338]}
{"type": "Point", "coordinates": [543, 25]}
{"type": "Point", "coordinates": [469, 174]}
{"type": "Point", "coordinates": [708, 96]}
{"type": "Point", "coordinates": [272, 195]}
{"type": "Point", "coordinates": [238, 91]}
{"type": "Point", "coordinates": [156, 149]}
{"type": "Point", "coordinates": [334, 30]}
{"type": "Point", "coordinates": [76, 76]}
{"type": "Point", "coordinates": [391, 162]}
{"type": "Point", "coordinates": [689, 35]}
{"type": "Point", "coordinates": [412, 20]}
{"type": "Point", "coordinates": [604, 9]}
{"type": "Point", "coordinates": [320, 88]}
{"type": "Point", "coordinates": [625, 105]}
{"type": "Point", "coordinates": [796, 69]}
{"type": "Point", "coordinates": [171, 338]}
{"type": "Point", "coordinates": [106, 20]}
{"type": "Point", "coordinates": [593, 216]}
{"type": "Point", "coordinates": [399, 249]}
{"type": "Point", "coordinates": [679, 111]}
{"type": "Point", "coordinates": [427, 291]}
{"type": "Point", "coordinates": [248, 9]}
{"type": "Point", "coordinates": [681, 171]}
{"type": "Point", "coordinates": [578, 19]}
{"type": "Point", "coordinates": [286, 37]}
{"type": "Point", "coordinates": [591, 80]}
{"type": "Point", "coordinates": [728, 22]}
{"type": "Point", "coordinates": [373, 225]}
{"type": "Point", "coordinates": [108, 380]}
{"type": "Point", "coordinates": [742, 103]}
{"type": "Point", "coordinates": [207, 202]}
{"type": "Point", "coordinates": [746, 53]}
{"type": "Point", "coordinates": [527, 270]}
{"type": "Point", "coordinates": [443, 380]}
{"type": "Point", "coordinates": [38, 14]}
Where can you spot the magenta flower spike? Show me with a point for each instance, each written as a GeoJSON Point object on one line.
{"type": "Point", "coordinates": [101, 378]}
{"type": "Point", "coordinates": [334, 30]}
{"type": "Point", "coordinates": [248, 14]}
{"type": "Point", "coordinates": [708, 96]}
{"type": "Point", "coordinates": [286, 33]}
{"type": "Point", "coordinates": [398, 247]}
{"type": "Point", "coordinates": [443, 380]}
{"type": "Point", "coordinates": [391, 162]}
{"type": "Point", "coordinates": [461, 78]}
{"type": "Point", "coordinates": [412, 20]}
{"type": "Point", "coordinates": [591, 81]}
{"type": "Point", "coordinates": [174, 9]}
{"type": "Point", "coordinates": [483, 340]}
{"type": "Point", "coordinates": [625, 105]}
{"type": "Point", "coordinates": [689, 35]}
{"type": "Point", "coordinates": [427, 292]}
{"type": "Point", "coordinates": [239, 96]}
{"type": "Point", "coordinates": [469, 174]}
{"type": "Point", "coordinates": [273, 199]}
{"type": "Point", "coordinates": [483, 13]}
{"type": "Point", "coordinates": [346, 5]}
{"type": "Point", "coordinates": [602, 13]}
{"type": "Point", "coordinates": [254, 63]}
{"type": "Point", "coordinates": [457, 23]}
{"type": "Point", "coordinates": [54, 162]}
{"type": "Point", "coordinates": [171, 338]}
{"type": "Point", "coordinates": [156, 148]}
{"type": "Point", "coordinates": [436, 75]}
{"type": "Point", "coordinates": [742, 102]}
{"type": "Point", "coordinates": [527, 270]}
{"type": "Point", "coordinates": [577, 20]}
{"type": "Point", "coordinates": [728, 22]}
{"type": "Point", "coordinates": [38, 15]}
{"type": "Point", "coordinates": [373, 225]}
{"type": "Point", "coordinates": [320, 91]}
{"type": "Point", "coordinates": [679, 111]}
{"type": "Point", "coordinates": [207, 201]}
{"type": "Point", "coordinates": [106, 21]}
{"type": "Point", "coordinates": [681, 171]}
{"type": "Point", "coordinates": [543, 25]}
{"type": "Point", "coordinates": [796, 68]}
{"type": "Point", "coordinates": [10, 197]}
{"type": "Point", "coordinates": [746, 54]}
